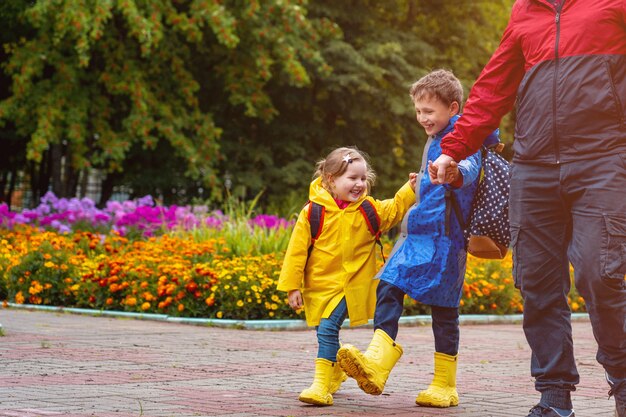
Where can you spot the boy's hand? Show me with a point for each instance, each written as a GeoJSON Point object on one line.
{"type": "Point", "coordinates": [443, 176]}
{"type": "Point", "coordinates": [438, 170]}
{"type": "Point", "coordinates": [295, 299]}
{"type": "Point", "coordinates": [412, 180]}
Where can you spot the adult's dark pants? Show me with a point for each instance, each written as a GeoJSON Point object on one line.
{"type": "Point", "coordinates": [445, 320]}
{"type": "Point", "coordinates": [561, 214]}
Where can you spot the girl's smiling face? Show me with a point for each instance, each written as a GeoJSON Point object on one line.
{"type": "Point", "coordinates": [351, 184]}
{"type": "Point", "coordinates": [433, 114]}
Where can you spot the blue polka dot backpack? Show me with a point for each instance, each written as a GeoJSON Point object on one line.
{"type": "Point", "coordinates": [487, 234]}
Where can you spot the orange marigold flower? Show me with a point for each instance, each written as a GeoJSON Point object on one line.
{"type": "Point", "coordinates": [210, 301]}
{"type": "Point", "coordinates": [181, 307]}
{"type": "Point", "coordinates": [131, 301]}
{"type": "Point", "coordinates": [145, 306]}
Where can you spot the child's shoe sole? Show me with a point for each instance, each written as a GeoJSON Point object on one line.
{"type": "Point", "coordinates": [352, 362]}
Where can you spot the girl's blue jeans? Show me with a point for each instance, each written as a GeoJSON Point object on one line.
{"type": "Point", "coordinates": [328, 332]}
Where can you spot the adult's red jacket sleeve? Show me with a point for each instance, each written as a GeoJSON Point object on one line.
{"type": "Point", "coordinates": [491, 97]}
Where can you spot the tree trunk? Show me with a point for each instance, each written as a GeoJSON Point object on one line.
{"type": "Point", "coordinates": [39, 175]}
{"type": "Point", "coordinates": [3, 183]}
{"type": "Point", "coordinates": [11, 187]}
{"type": "Point", "coordinates": [70, 179]}
{"type": "Point", "coordinates": [56, 170]}
{"type": "Point", "coordinates": [84, 182]}
{"type": "Point", "coordinates": [108, 183]}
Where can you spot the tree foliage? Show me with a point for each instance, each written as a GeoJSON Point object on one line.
{"type": "Point", "coordinates": [176, 94]}
{"type": "Point", "coordinates": [382, 48]}
{"type": "Point", "coordinates": [99, 76]}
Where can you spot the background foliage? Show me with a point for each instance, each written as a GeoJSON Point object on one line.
{"type": "Point", "coordinates": [170, 97]}
{"type": "Point", "coordinates": [182, 261]}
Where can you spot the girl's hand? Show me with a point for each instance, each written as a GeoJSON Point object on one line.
{"type": "Point", "coordinates": [295, 299]}
{"type": "Point", "coordinates": [412, 180]}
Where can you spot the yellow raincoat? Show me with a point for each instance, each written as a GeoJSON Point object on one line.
{"type": "Point", "coordinates": [343, 259]}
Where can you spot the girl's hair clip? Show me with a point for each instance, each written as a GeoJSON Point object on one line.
{"type": "Point", "coordinates": [347, 159]}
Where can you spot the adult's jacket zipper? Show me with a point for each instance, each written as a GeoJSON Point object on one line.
{"type": "Point", "coordinates": [555, 135]}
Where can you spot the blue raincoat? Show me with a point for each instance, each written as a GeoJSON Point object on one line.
{"type": "Point", "coordinates": [428, 261]}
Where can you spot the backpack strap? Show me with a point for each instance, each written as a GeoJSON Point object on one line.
{"type": "Point", "coordinates": [373, 222]}
{"type": "Point", "coordinates": [452, 201]}
{"type": "Point", "coordinates": [316, 220]}
{"type": "Point", "coordinates": [317, 211]}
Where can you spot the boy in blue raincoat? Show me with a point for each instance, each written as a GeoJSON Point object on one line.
{"type": "Point", "coordinates": [428, 261]}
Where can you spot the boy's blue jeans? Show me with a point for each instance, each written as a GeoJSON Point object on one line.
{"type": "Point", "coordinates": [445, 320]}
{"type": "Point", "coordinates": [328, 332]}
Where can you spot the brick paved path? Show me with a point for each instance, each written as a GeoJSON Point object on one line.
{"type": "Point", "coordinates": [68, 365]}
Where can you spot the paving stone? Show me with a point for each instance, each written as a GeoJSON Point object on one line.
{"type": "Point", "coordinates": [70, 365]}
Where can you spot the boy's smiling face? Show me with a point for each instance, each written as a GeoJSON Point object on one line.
{"type": "Point", "coordinates": [433, 114]}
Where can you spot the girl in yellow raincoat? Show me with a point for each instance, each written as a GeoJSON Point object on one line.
{"type": "Point", "coordinates": [334, 278]}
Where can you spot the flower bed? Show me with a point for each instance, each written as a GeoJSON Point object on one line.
{"type": "Point", "coordinates": [165, 275]}
{"type": "Point", "coordinates": [198, 268]}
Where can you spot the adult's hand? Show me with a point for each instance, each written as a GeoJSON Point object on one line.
{"type": "Point", "coordinates": [437, 170]}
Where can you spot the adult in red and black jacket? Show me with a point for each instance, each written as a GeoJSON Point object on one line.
{"type": "Point", "coordinates": [562, 64]}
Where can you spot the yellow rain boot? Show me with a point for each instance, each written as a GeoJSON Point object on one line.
{"type": "Point", "coordinates": [319, 392]}
{"type": "Point", "coordinates": [442, 391]}
{"type": "Point", "coordinates": [371, 369]}
{"type": "Point", "coordinates": [339, 376]}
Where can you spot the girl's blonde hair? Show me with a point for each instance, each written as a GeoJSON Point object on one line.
{"type": "Point", "coordinates": [336, 164]}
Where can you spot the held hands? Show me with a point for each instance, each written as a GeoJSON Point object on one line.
{"type": "Point", "coordinates": [444, 170]}
{"type": "Point", "coordinates": [295, 299]}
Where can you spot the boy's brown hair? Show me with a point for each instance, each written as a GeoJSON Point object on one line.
{"type": "Point", "coordinates": [336, 164]}
{"type": "Point", "coordinates": [440, 84]}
